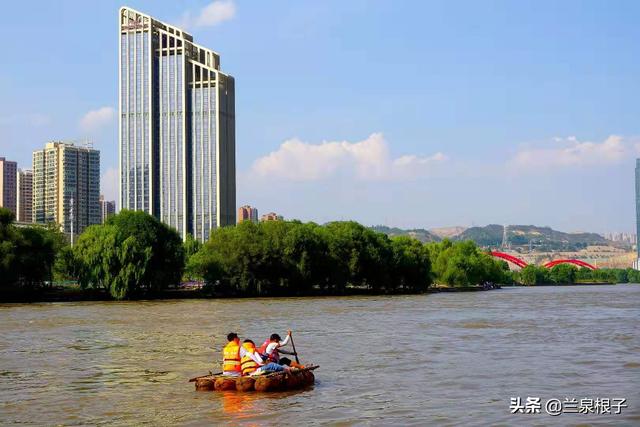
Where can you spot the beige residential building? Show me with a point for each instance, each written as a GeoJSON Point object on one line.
{"type": "Point", "coordinates": [8, 170]}
{"type": "Point", "coordinates": [271, 216]}
{"type": "Point", "coordinates": [24, 204]}
{"type": "Point", "coordinates": [66, 184]}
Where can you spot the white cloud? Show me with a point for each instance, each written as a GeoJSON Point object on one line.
{"type": "Point", "coordinates": [96, 119]}
{"type": "Point", "coordinates": [109, 184]}
{"type": "Point", "coordinates": [211, 15]}
{"type": "Point", "coordinates": [369, 159]}
{"type": "Point", "coordinates": [570, 152]}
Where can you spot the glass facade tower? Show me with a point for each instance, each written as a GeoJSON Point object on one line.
{"type": "Point", "coordinates": [176, 127]}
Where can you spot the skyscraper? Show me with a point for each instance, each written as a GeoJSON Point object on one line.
{"type": "Point", "coordinates": [24, 204]}
{"type": "Point", "coordinates": [638, 212]}
{"type": "Point", "coordinates": [8, 170]}
{"type": "Point", "coordinates": [176, 127]}
{"type": "Point", "coordinates": [66, 180]}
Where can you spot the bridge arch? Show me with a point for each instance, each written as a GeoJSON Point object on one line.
{"type": "Point", "coordinates": [577, 262]}
{"type": "Point", "coordinates": [510, 258]}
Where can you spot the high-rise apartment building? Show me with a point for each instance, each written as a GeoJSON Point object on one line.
{"type": "Point", "coordinates": [247, 213]}
{"type": "Point", "coordinates": [8, 170]}
{"type": "Point", "coordinates": [24, 200]}
{"type": "Point", "coordinates": [107, 208]}
{"type": "Point", "coordinates": [66, 183]}
{"type": "Point", "coordinates": [176, 127]}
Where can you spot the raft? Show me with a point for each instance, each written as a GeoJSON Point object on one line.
{"type": "Point", "coordinates": [293, 379]}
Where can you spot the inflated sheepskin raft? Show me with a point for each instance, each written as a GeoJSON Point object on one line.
{"type": "Point", "coordinates": [276, 381]}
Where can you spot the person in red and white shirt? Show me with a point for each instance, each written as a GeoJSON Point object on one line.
{"type": "Point", "coordinates": [272, 347]}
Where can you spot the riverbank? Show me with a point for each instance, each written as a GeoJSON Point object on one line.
{"type": "Point", "coordinates": [517, 285]}
{"type": "Point", "coordinates": [73, 293]}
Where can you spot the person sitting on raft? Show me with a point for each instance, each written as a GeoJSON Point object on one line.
{"type": "Point", "coordinates": [271, 349]}
{"type": "Point", "coordinates": [252, 362]}
{"type": "Point", "coordinates": [231, 363]}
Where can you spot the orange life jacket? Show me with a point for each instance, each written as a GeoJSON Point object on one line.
{"type": "Point", "coordinates": [247, 364]}
{"type": "Point", "coordinates": [231, 357]}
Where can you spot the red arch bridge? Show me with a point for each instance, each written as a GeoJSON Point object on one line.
{"type": "Point", "coordinates": [522, 263]}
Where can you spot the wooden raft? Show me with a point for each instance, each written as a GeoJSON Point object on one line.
{"type": "Point", "coordinates": [293, 379]}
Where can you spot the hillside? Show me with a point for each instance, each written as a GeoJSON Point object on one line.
{"type": "Point", "coordinates": [541, 238]}
{"type": "Point", "coordinates": [447, 232]}
{"type": "Point", "coordinates": [417, 233]}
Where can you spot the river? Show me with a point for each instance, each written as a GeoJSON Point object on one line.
{"type": "Point", "coordinates": [437, 359]}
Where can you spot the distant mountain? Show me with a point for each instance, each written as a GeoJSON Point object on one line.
{"type": "Point", "coordinates": [447, 232]}
{"type": "Point", "coordinates": [544, 238]}
{"type": "Point", "coordinates": [540, 238]}
{"type": "Point", "coordinates": [417, 233]}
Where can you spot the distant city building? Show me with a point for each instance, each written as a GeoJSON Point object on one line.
{"type": "Point", "coordinates": [629, 238]}
{"type": "Point", "coordinates": [247, 213]}
{"type": "Point", "coordinates": [8, 190]}
{"type": "Point", "coordinates": [271, 216]}
{"type": "Point", "coordinates": [107, 208]}
{"type": "Point", "coordinates": [66, 176]}
{"type": "Point", "coordinates": [24, 200]}
{"type": "Point", "coordinates": [176, 127]}
{"type": "Point", "coordinates": [638, 212]}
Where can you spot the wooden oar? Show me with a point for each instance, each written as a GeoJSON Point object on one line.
{"type": "Point", "coordinates": [202, 376]}
{"type": "Point", "coordinates": [295, 353]}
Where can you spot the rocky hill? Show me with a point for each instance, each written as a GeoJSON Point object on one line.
{"type": "Point", "coordinates": [417, 233]}
{"type": "Point", "coordinates": [542, 238]}
{"type": "Point", "coordinates": [447, 232]}
{"type": "Point", "coordinates": [539, 238]}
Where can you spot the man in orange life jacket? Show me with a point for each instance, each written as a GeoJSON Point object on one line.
{"type": "Point", "coordinates": [231, 356]}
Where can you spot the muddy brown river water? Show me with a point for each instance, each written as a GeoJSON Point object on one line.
{"type": "Point", "coordinates": [439, 359]}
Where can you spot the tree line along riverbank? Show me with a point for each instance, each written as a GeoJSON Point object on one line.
{"type": "Point", "coordinates": [133, 255]}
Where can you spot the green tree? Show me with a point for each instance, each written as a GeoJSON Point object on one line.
{"type": "Point", "coordinates": [26, 254]}
{"type": "Point", "coordinates": [36, 252]}
{"type": "Point", "coordinates": [411, 268]}
{"type": "Point", "coordinates": [132, 254]}
{"type": "Point", "coordinates": [307, 251]}
{"type": "Point", "coordinates": [463, 264]}
{"type": "Point", "coordinates": [292, 258]}
{"type": "Point", "coordinates": [534, 275]}
{"type": "Point", "coordinates": [360, 255]}
{"type": "Point", "coordinates": [563, 274]}
{"type": "Point", "coordinates": [9, 240]}
{"type": "Point", "coordinates": [633, 276]}
{"type": "Point", "coordinates": [191, 247]}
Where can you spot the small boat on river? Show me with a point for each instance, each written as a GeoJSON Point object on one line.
{"type": "Point", "coordinates": [293, 379]}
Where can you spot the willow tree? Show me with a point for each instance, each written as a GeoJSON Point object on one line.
{"type": "Point", "coordinates": [133, 253]}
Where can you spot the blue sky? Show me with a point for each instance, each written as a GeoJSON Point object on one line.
{"type": "Point", "coordinates": [404, 113]}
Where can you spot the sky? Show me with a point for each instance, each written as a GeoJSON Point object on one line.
{"type": "Point", "coordinates": [402, 113]}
